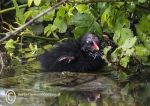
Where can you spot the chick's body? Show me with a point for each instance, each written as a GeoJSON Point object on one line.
{"type": "Point", "coordinates": [71, 55]}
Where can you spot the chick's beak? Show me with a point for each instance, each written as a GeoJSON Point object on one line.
{"type": "Point", "coordinates": [95, 46]}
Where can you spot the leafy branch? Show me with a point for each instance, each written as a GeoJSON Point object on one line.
{"type": "Point", "coordinates": [32, 20]}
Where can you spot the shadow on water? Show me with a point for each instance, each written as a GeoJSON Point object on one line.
{"type": "Point", "coordinates": [72, 89]}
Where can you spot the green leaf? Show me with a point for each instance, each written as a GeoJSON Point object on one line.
{"type": "Point", "coordinates": [49, 16]}
{"type": "Point", "coordinates": [30, 2]}
{"type": "Point", "coordinates": [85, 23]}
{"type": "Point", "coordinates": [33, 49]}
{"type": "Point", "coordinates": [62, 27]}
{"type": "Point", "coordinates": [105, 16]}
{"type": "Point", "coordinates": [117, 36]}
{"type": "Point", "coordinates": [143, 26]}
{"type": "Point", "coordinates": [143, 30]}
{"type": "Point", "coordinates": [82, 8]}
{"type": "Point", "coordinates": [146, 40]}
{"type": "Point", "coordinates": [53, 28]}
{"type": "Point", "coordinates": [124, 61]}
{"type": "Point", "coordinates": [27, 15]}
{"type": "Point", "coordinates": [37, 29]}
{"type": "Point", "coordinates": [37, 2]}
{"type": "Point", "coordinates": [61, 12]}
{"type": "Point", "coordinates": [121, 22]}
{"type": "Point", "coordinates": [47, 47]}
{"type": "Point", "coordinates": [10, 44]}
{"type": "Point", "coordinates": [35, 10]}
{"type": "Point", "coordinates": [31, 46]}
{"type": "Point", "coordinates": [122, 76]}
{"type": "Point", "coordinates": [96, 27]}
{"type": "Point", "coordinates": [47, 29]}
{"type": "Point", "coordinates": [130, 42]}
{"type": "Point", "coordinates": [120, 36]}
{"type": "Point", "coordinates": [141, 51]}
{"type": "Point", "coordinates": [129, 52]}
{"type": "Point", "coordinates": [78, 31]}
{"type": "Point", "coordinates": [60, 24]}
{"type": "Point", "coordinates": [107, 49]}
{"type": "Point", "coordinates": [82, 20]}
{"type": "Point", "coordinates": [141, 1]}
{"type": "Point", "coordinates": [116, 54]}
{"type": "Point", "coordinates": [48, 33]}
{"type": "Point", "coordinates": [19, 13]}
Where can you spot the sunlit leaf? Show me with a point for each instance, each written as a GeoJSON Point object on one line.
{"type": "Point", "coordinates": [60, 24]}
{"type": "Point", "coordinates": [27, 14]}
{"type": "Point", "coordinates": [81, 8]}
{"type": "Point", "coordinates": [121, 22]}
{"type": "Point", "coordinates": [116, 54]}
{"type": "Point", "coordinates": [143, 30]}
{"type": "Point", "coordinates": [53, 28]}
{"type": "Point", "coordinates": [142, 51]}
{"type": "Point", "coordinates": [129, 52]}
{"type": "Point", "coordinates": [141, 1]}
{"type": "Point", "coordinates": [120, 36]}
{"type": "Point", "coordinates": [124, 61]}
{"type": "Point", "coordinates": [49, 16]}
{"type": "Point", "coordinates": [61, 12]}
{"type": "Point", "coordinates": [106, 49]}
{"type": "Point", "coordinates": [30, 2]}
{"type": "Point", "coordinates": [130, 42]}
{"type": "Point", "coordinates": [19, 12]}
{"type": "Point", "coordinates": [62, 27]}
{"type": "Point", "coordinates": [47, 29]}
{"type": "Point", "coordinates": [37, 2]}
{"type": "Point", "coordinates": [31, 46]}
{"type": "Point", "coordinates": [105, 16]}
{"type": "Point", "coordinates": [10, 44]}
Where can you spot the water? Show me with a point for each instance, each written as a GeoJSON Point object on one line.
{"type": "Point", "coordinates": [33, 88]}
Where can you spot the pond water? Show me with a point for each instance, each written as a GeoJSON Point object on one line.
{"type": "Point", "coordinates": [71, 89]}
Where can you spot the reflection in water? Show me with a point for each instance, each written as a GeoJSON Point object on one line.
{"type": "Point", "coordinates": [72, 89]}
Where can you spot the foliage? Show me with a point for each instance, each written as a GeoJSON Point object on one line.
{"type": "Point", "coordinates": [127, 22]}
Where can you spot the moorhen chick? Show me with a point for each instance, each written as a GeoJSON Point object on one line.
{"type": "Point", "coordinates": [82, 55]}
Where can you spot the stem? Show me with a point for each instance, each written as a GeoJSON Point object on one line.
{"type": "Point", "coordinates": [12, 8]}
{"type": "Point", "coordinates": [2, 34]}
{"type": "Point", "coordinates": [32, 20]}
{"type": "Point", "coordinates": [93, 1]}
{"type": "Point", "coordinates": [36, 37]}
{"type": "Point", "coordinates": [39, 37]}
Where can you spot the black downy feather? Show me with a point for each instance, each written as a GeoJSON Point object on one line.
{"type": "Point", "coordinates": [70, 56]}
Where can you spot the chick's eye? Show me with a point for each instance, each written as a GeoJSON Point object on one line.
{"type": "Point", "coordinates": [89, 42]}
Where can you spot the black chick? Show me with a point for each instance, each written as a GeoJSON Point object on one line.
{"type": "Point", "coordinates": [82, 55]}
